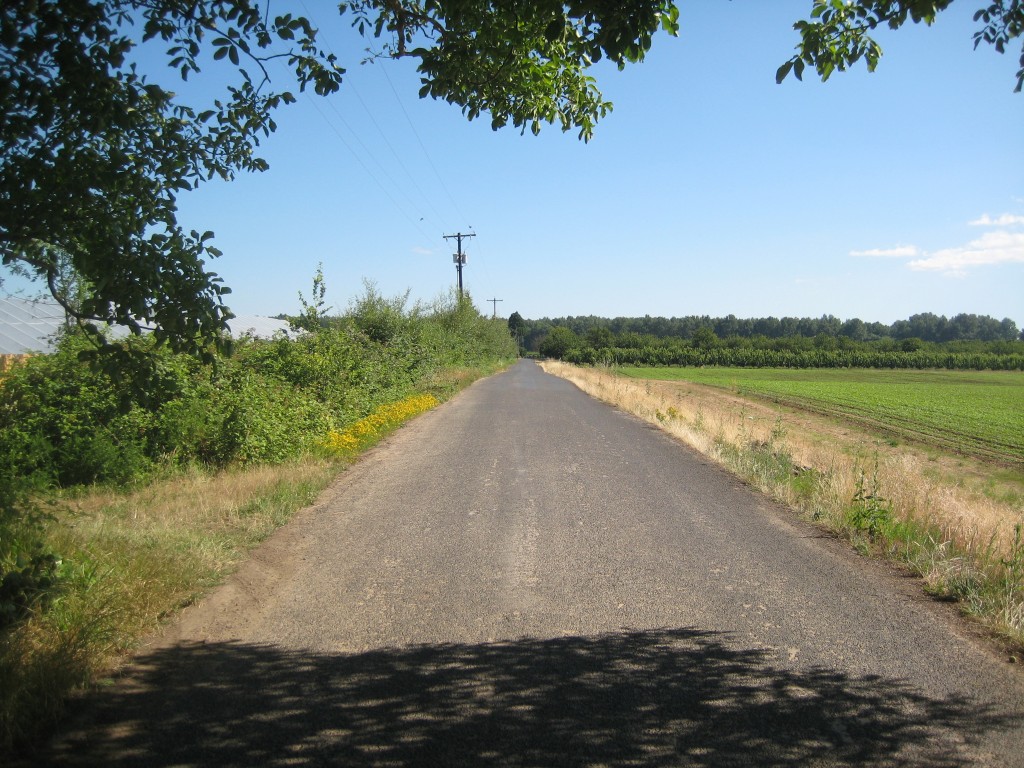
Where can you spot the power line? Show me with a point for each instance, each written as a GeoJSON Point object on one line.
{"type": "Point", "coordinates": [380, 131]}
{"type": "Point", "coordinates": [350, 85]}
{"type": "Point", "coordinates": [369, 172]}
{"type": "Point", "coordinates": [422, 145]}
{"type": "Point", "coordinates": [494, 302]}
{"type": "Point", "coordinates": [370, 154]}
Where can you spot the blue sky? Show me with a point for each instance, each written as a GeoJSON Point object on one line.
{"type": "Point", "coordinates": [708, 190]}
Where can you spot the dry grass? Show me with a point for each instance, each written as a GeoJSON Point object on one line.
{"type": "Point", "coordinates": [937, 517]}
{"type": "Point", "coordinates": [188, 500]}
{"type": "Point", "coordinates": [130, 561]}
{"type": "Point", "coordinates": [7, 362]}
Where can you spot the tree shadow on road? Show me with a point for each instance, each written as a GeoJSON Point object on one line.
{"type": "Point", "coordinates": [643, 698]}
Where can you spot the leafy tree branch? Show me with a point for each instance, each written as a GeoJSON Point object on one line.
{"type": "Point", "coordinates": [838, 34]}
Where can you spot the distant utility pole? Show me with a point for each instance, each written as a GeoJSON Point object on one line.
{"type": "Point", "coordinates": [459, 258]}
{"type": "Point", "coordinates": [494, 302]}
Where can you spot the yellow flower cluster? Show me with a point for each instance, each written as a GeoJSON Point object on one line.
{"type": "Point", "coordinates": [368, 430]}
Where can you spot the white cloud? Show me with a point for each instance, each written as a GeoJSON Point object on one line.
{"type": "Point", "coordinates": [1006, 220]}
{"type": "Point", "coordinates": [900, 252]}
{"type": "Point", "coordinates": [1002, 245]}
{"type": "Point", "coordinates": [991, 248]}
{"type": "Point", "coordinates": [422, 251]}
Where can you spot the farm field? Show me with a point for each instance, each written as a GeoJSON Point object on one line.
{"type": "Point", "coordinates": [974, 413]}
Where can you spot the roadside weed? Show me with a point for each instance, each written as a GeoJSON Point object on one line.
{"type": "Point", "coordinates": [870, 511]}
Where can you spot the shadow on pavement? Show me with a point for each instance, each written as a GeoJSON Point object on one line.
{"type": "Point", "coordinates": [651, 698]}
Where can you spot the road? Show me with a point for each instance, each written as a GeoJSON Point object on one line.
{"type": "Point", "coordinates": [528, 577]}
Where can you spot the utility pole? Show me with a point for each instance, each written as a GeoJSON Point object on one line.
{"type": "Point", "coordinates": [494, 302]}
{"type": "Point", "coordinates": [459, 258]}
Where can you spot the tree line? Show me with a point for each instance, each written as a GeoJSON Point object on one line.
{"type": "Point", "coordinates": [923, 340]}
{"type": "Point", "coordinates": [627, 331]}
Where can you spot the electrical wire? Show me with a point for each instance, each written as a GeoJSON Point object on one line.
{"type": "Point", "coordinates": [423, 146]}
{"type": "Point", "coordinates": [350, 85]}
{"type": "Point", "coordinates": [480, 264]}
{"type": "Point", "coordinates": [412, 220]}
{"type": "Point", "coordinates": [369, 112]}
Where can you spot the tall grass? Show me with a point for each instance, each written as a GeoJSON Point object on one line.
{"type": "Point", "coordinates": [964, 543]}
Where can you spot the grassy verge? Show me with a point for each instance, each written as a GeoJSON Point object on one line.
{"type": "Point", "coordinates": [131, 560]}
{"type": "Point", "coordinates": [933, 514]}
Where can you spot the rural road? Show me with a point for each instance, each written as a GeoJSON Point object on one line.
{"type": "Point", "coordinates": [528, 577]}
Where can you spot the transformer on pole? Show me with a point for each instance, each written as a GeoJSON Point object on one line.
{"type": "Point", "coordinates": [459, 257]}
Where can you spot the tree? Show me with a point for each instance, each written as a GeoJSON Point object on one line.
{"type": "Point", "coordinates": [854, 329]}
{"type": "Point", "coordinates": [839, 32]}
{"type": "Point", "coordinates": [314, 311]}
{"type": "Point", "coordinates": [519, 62]}
{"type": "Point", "coordinates": [515, 324]}
{"type": "Point", "coordinates": [558, 342]}
{"type": "Point", "coordinates": [93, 154]}
{"type": "Point", "coordinates": [704, 338]}
{"type": "Point", "coordinates": [599, 337]}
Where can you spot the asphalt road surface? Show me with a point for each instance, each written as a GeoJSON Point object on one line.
{"type": "Point", "coordinates": [527, 577]}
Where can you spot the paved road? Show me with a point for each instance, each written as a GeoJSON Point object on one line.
{"type": "Point", "coordinates": [527, 577]}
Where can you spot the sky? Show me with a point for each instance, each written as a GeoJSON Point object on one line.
{"type": "Point", "coordinates": [709, 190]}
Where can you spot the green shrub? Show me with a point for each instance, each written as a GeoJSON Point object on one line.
{"type": "Point", "coordinates": [65, 423]}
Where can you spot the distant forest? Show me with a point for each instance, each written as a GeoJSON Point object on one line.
{"type": "Point", "coordinates": [964, 333]}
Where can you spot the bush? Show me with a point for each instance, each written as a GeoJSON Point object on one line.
{"type": "Point", "coordinates": [65, 423]}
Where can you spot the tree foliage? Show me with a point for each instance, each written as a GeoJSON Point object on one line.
{"type": "Point", "coordinates": [523, 63]}
{"type": "Point", "coordinates": [965, 340]}
{"type": "Point", "coordinates": [94, 154]}
{"type": "Point", "coordinates": [838, 34]}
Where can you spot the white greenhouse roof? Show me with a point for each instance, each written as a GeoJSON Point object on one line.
{"type": "Point", "coordinates": [28, 325]}
{"type": "Point", "coordinates": [258, 326]}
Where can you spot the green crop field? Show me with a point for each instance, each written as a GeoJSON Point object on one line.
{"type": "Point", "coordinates": [978, 413]}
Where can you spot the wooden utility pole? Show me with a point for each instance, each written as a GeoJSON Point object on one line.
{"type": "Point", "coordinates": [459, 257]}
{"type": "Point", "coordinates": [494, 302]}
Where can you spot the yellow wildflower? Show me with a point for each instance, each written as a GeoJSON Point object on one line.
{"type": "Point", "coordinates": [369, 429]}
